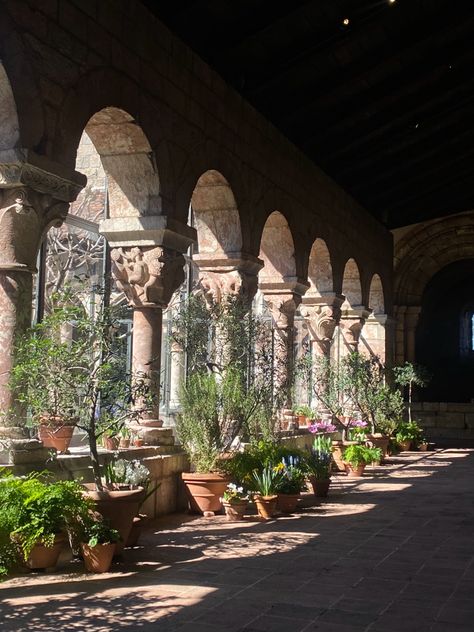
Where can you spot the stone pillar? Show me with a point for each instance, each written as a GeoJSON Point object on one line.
{"type": "Point", "coordinates": [283, 299]}
{"type": "Point", "coordinates": [176, 373]}
{"type": "Point", "coordinates": [148, 275]}
{"type": "Point", "coordinates": [351, 323]}
{"type": "Point", "coordinates": [31, 201]}
{"type": "Point", "coordinates": [412, 315]}
{"type": "Point", "coordinates": [322, 314]}
{"type": "Point", "coordinates": [377, 338]}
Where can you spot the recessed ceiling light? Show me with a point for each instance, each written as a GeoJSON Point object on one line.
{"type": "Point", "coordinates": [346, 21]}
{"type": "Point", "coordinates": [392, 1]}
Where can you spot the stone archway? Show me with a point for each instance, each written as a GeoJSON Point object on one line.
{"type": "Point", "coordinates": [376, 337]}
{"type": "Point", "coordinates": [353, 312]}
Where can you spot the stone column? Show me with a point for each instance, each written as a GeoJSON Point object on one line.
{"type": "Point", "coordinates": [322, 314]}
{"type": "Point", "coordinates": [351, 323]}
{"type": "Point", "coordinates": [412, 315]}
{"type": "Point", "coordinates": [148, 275]}
{"type": "Point", "coordinates": [283, 299]}
{"type": "Point", "coordinates": [31, 201]}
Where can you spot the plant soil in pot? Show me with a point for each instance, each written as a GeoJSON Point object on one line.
{"type": "Point", "coordinates": [204, 491]}
{"type": "Point", "coordinates": [97, 559]}
{"type": "Point", "coordinates": [320, 486]}
{"type": "Point", "coordinates": [119, 507]}
{"type": "Point", "coordinates": [287, 503]}
{"type": "Point", "coordinates": [266, 506]}
{"type": "Point", "coordinates": [46, 556]}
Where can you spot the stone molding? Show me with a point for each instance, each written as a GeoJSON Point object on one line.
{"type": "Point", "coordinates": [283, 299]}
{"type": "Point", "coordinates": [19, 174]}
{"type": "Point", "coordinates": [322, 314]}
{"type": "Point", "coordinates": [150, 230]}
{"type": "Point", "coordinates": [351, 322]}
{"type": "Point", "coordinates": [234, 276]}
{"type": "Point", "coordinates": [147, 276]}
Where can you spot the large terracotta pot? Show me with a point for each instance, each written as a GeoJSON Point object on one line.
{"type": "Point", "coordinates": [287, 503]}
{"type": "Point", "coordinates": [320, 486]}
{"type": "Point", "coordinates": [338, 448]}
{"type": "Point", "coordinates": [97, 559]}
{"type": "Point", "coordinates": [55, 436]}
{"type": "Point", "coordinates": [111, 443]}
{"type": "Point", "coordinates": [405, 446]}
{"type": "Point", "coordinates": [355, 471]}
{"type": "Point", "coordinates": [235, 510]}
{"type": "Point", "coordinates": [204, 490]}
{"type": "Point", "coordinates": [118, 507]}
{"type": "Point", "coordinates": [266, 506]}
{"type": "Point", "coordinates": [46, 556]}
{"type": "Point", "coordinates": [379, 440]}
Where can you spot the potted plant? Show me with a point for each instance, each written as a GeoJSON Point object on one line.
{"type": "Point", "coordinates": [408, 434]}
{"type": "Point", "coordinates": [265, 491]}
{"type": "Point", "coordinates": [235, 502]}
{"type": "Point", "coordinates": [219, 401]}
{"type": "Point", "coordinates": [318, 465]}
{"type": "Point", "coordinates": [98, 543]}
{"type": "Point", "coordinates": [410, 375]}
{"type": "Point", "coordinates": [290, 484]}
{"type": "Point", "coordinates": [356, 457]}
{"type": "Point", "coordinates": [303, 414]}
{"type": "Point", "coordinates": [36, 515]}
{"type": "Point", "coordinates": [125, 435]}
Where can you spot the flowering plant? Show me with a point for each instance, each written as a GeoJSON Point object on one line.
{"type": "Point", "coordinates": [358, 430]}
{"type": "Point", "coordinates": [123, 472]}
{"type": "Point", "coordinates": [320, 426]}
{"type": "Point", "coordinates": [292, 475]}
{"type": "Point", "coordinates": [318, 464]}
{"type": "Point", "coordinates": [235, 494]}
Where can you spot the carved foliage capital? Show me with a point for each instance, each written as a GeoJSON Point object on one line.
{"type": "Point", "coordinates": [283, 308]}
{"type": "Point", "coordinates": [148, 276]}
{"type": "Point", "coordinates": [217, 285]}
{"type": "Point", "coordinates": [322, 320]}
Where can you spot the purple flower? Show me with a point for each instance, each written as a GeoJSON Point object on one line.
{"type": "Point", "coordinates": [357, 423]}
{"type": "Point", "coordinates": [321, 426]}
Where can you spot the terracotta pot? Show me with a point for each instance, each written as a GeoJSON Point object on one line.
{"type": "Point", "coordinates": [46, 556]}
{"type": "Point", "coordinates": [355, 471]}
{"type": "Point", "coordinates": [235, 510]}
{"type": "Point", "coordinates": [124, 443]}
{"type": "Point", "coordinates": [405, 446]}
{"type": "Point", "coordinates": [423, 447]}
{"type": "Point", "coordinates": [138, 443]}
{"type": "Point", "coordinates": [266, 506]}
{"type": "Point", "coordinates": [97, 559]}
{"type": "Point", "coordinates": [287, 503]}
{"type": "Point", "coordinates": [204, 491]}
{"type": "Point", "coordinates": [56, 436]}
{"type": "Point", "coordinates": [302, 421]}
{"type": "Point", "coordinates": [136, 530]}
{"type": "Point", "coordinates": [320, 486]}
{"type": "Point", "coordinates": [380, 441]}
{"type": "Point", "coordinates": [119, 507]}
{"type": "Point", "coordinates": [111, 443]}
{"type": "Point", "coordinates": [338, 448]}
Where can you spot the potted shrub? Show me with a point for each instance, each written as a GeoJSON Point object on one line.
{"type": "Point", "coordinates": [218, 400]}
{"type": "Point", "coordinates": [303, 414]}
{"type": "Point", "coordinates": [356, 457]}
{"type": "Point", "coordinates": [125, 436]}
{"type": "Point", "coordinates": [410, 375]}
{"type": "Point", "coordinates": [36, 515]}
{"type": "Point", "coordinates": [318, 465]}
{"type": "Point", "coordinates": [290, 484]}
{"type": "Point", "coordinates": [235, 502]}
{"type": "Point", "coordinates": [98, 543]}
{"type": "Point", "coordinates": [265, 491]}
{"type": "Point", "coordinates": [408, 434]}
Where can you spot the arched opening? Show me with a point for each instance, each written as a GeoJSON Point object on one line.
{"type": "Point", "coordinates": [277, 250]}
{"type": "Point", "coordinates": [444, 333]}
{"type": "Point", "coordinates": [9, 127]}
{"type": "Point", "coordinates": [376, 296]}
{"type": "Point", "coordinates": [351, 285]}
{"type": "Point", "coordinates": [215, 216]}
{"type": "Point", "coordinates": [320, 270]}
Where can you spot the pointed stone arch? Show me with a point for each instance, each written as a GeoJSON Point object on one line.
{"type": "Point", "coordinates": [9, 126]}
{"type": "Point", "coordinates": [351, 283]}
{"type": "Point", "coordinates": [216, 216]}
{"type": "Point", "coordinates": [320, 274]}
{"type": "Point", "coordinates": [376, 295]}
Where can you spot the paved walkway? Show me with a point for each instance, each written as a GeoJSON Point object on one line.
{"type": "Point", "coordinates": [392, 552]}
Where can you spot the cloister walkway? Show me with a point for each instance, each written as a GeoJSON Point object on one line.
{"type": "Point", "coordinates": [392, 552]}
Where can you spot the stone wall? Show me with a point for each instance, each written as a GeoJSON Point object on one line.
{"type": "Point", "coordinates": [446, 423]}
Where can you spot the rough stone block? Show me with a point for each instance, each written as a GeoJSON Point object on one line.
{"type": "Point", "coordinates": [38, 456]}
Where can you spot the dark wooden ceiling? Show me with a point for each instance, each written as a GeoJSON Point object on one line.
{"type": "Point", "coordinates": [385, 104]}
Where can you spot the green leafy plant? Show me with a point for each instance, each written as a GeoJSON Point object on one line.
{"type": "Point", "coordinates": [266, 482]}
{"type": "Point", "coordinates": [409, 431]}
{"type": "Point", "coordinates": [410, 375]}
{"type": "Point", "coordinates": [292, 479]}
{"type": "Point", "coordinates": [318, 463]}
{"type": "Point", "coordinates": [361, 454]}
{"type": "Point", "coordinates": [304, 410]}
{"type": "Point", "coordinates": [95, 531]}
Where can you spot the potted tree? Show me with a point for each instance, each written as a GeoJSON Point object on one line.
{"type": "Point", "coordinates": [410, 375]}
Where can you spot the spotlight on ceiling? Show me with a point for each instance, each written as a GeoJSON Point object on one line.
{"type": "Point", "coordinates": [392, 1]}
{"type": "Point", "coordinates": [346, 21]}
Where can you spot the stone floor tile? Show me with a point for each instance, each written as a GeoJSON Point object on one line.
{"type": "Point", "coordinates": [269, 623]}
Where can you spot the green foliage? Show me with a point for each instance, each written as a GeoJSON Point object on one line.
{"type": "Point", "coordinates": [360, 454]}
{"type": "Point", "coordinates": [228, 387]}
{"type": "Point", "coordinates": [304, 410]}
{"type": "Point", "coordinates": [292, 477]}
{"type": "Point", "coordinates": [327, 382]}
{"type": "Point", "coordinates": [256, 457]}
{"type": "Point", "coordinates": [34, 510]}
{"type": "Point", "coordinates": [409, 431]}
{"type": "Point", "coordinates": [409, 375]}
{"type": "Point", "coordinates": [318, 463]}
{"type": "Point", "coordinates": [95, 530]}
{"type": "Point", "coordinates": [266, 482]}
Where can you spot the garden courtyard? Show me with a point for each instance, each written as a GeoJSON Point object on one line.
{"type": "Point", "coordinates": [389, 552]}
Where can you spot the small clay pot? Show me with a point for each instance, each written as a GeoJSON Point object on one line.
{"type": "Point", "coordinates": [124, 443]}
{"type": "Point", "coordinates": [266, 506]}
{"type": "Point", "coordinates": [138, 443]}
{"type": "Point", "coordinates": [46, 556]}
{"type": "Point", "coordinates": [111, 443]}
{"type": "Point", "coordinates": [355, 471]}
{"type": "Point", "coordinates": [320, 486]}
{"type": "Point", "coordinates": [97, 559]}
{"type": "Point", "coordinates": [236, 510]}
{"type": "Point", "coordinates": [287, 502]}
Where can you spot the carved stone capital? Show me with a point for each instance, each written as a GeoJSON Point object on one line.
{"type": "Point", "coordinates": [233, 276]}
{"type": "Point", "coordinates": [147, 276]}
{"type": "Point", "coordinates": [322, 314]}
{"type": "Point", "coordinates": [283, 299]}
{"type": "Point", "coordinates": [25, 174]}
{"type": "Point", "coordinates": [351, 323]}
